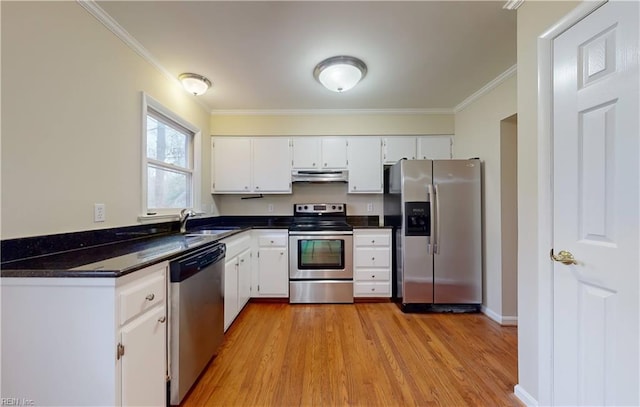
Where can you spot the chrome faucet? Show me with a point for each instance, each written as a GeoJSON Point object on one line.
{"type": "Point", "coordinates": [184, 214]}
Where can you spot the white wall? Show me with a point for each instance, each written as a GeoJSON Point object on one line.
{"type": "Point", "coordinates": [71, 121]}
{"type": "Point", "coordinates": [534, 18]}
{"type": "Point", "coordinates": [509, 216]}
{"type": "Point", "coordinates": [332, 124]}
{"type": "Point", "coordinates": [478, 135]}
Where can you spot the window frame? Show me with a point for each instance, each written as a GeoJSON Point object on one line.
{"type": "Point", "coordinates": [194, 160]}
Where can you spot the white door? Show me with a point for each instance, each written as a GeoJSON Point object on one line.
{"type": "Point", "coordinates": [231, 164]}
{"type": "Point", "coordinates": [596, 209]}
{"type": "Point", "coordinates": [271, 164]}
{"type": "Point", "coordinates": [365, 165]}
{"type": "Point", "coordinates": [434, 147]}
{"type": "Point", "coordinates": [334, 152]}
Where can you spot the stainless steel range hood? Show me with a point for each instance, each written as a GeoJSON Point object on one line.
{"type": "Point", "coordinates": [319, 176]}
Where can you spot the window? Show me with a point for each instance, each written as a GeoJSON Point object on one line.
{"type": "Point", "coordinates": [169, 153]}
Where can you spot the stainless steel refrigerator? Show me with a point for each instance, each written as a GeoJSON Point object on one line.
{"type": "Point", "coordinates": [435, 206]}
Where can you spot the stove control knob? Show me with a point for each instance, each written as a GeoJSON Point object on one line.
{"type": "Point", "coordinates": [333, 207]}
{"type": "Point", "coordinates": [306, 207]}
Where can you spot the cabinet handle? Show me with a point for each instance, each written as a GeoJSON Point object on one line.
{"type": "Point", "coordinates": [162, 319]}
{"type": "Point", "coordinates": [272, 242]}
{"type": "Point", "coordinates": [246, 187]}
{"type": "Point", "coordinates": [373, 276]}
{"type": "Point", "coordinates": [373, 289]}
{"type": "Point", "coordinates": [257, 187]}
{"type": "Point", "coordinates": [373, 259]}
{"type": "Point", "coordinates": [281, 253]}
{"type": "Point", "coordinates": [325, 164]}
{"type": "Point", "coordinates": [373, 241]}
{"type": "Point", "coordinates": [314, 164]}
{"type": "Point", "coordinates": [150, 297]}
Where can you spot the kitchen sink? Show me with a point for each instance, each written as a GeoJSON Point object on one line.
{"type": "Point", "coordinates": [209, 232]}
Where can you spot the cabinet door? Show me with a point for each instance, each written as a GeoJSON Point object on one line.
{"type": "Point", "coordinates": [435, 147]}
{"type": "Point", "coordinates": [231, 164]}
{"type": "Point", "coordinates": [365, 165]}
{"type": "Point", "coordinates": [144, 360]}
{"type": "Point", "coordinates": [244, 278]}
{"type": "Point", "coordinates": [230, 292]}
{"type": "Point", "coordinates": [397, 148]}
{"type": "Point", "coordinates": [271, 165]}
{"type": "Point", "coordinates": [273, 272]}
{"type": "Point", "coordinates": [334, 152]}
{"type": "Point", "coordinates": [306, 153]}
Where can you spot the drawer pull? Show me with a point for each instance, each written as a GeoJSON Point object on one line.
{"type": "Point", "coordinates": [373, 289]}
{"type": "Point", "coordinates": [150, 297]}
{"type": "Point", "coordinates": [373, 241]}
{"type": "Point", "coordinates": [272, 242]}
{"type": "Point", "coordinates": [162, 319]}
{"type": "Point", "coordinates": [373, 259]}
{"type": "Point", "coordinates": [373, 276]}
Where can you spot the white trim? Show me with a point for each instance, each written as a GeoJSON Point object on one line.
{"type": "Point", "coordinates": [512, 4]}
{"type": "Point", "coordinates": [196, 170]}
{"type": "Point", "coordinates": [102, 16]}
{"type": "Point", "coordinates": [501, 319]}
{"type": "Point", "coordinates": [487, 88]}
{"type": "Point", "coordinates": [524, 396]}
{"type": "Point", "coordinates": [324, 112]}
{"type": "Point", "coordinates": [545, 195]}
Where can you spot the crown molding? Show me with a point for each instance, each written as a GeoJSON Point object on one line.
{"type": "Point", "coordinates": [326, 112]}
{"type": "Point", "coordinates": [512, 4]}
{"type": "Point", "coordinates": [487, 88]}
{"type": "Point", "coordinates": [102, 16]}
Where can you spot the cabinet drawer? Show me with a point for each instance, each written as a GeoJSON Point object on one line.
{"type": "Point", "coordinates": [372, 240]}
{"type": "Point", "coordinates": [372, 275]}
{"type": "Point", "coordinates": [372, 257]}
{"type": "Point", "coordinates": [372, 289]}
{"type": "Point", "coordinates": [237, 244]}
{"type": "Point", "coordinates": [272, 240]}
{"type": "Point", "coordinates": [139, 296]}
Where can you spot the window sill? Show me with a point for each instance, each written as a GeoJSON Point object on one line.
{"type": "Point", "coordinates": [160, 217]}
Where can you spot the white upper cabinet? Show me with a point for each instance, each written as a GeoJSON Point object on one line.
{"type": "Point", "coordinates": [271, 165]}
{"type": "Point", "coordinates": [231, 167]}
{"type": "Point", "coordinates": [365, 165]}
{"type": "Point", "coordinates": [435, 147]}
{"type": "Point", "coordinates": [251, 165]}
{"type": "Point", "coordinates": [397, 148]}
{"type": "Point", "coordinates": [316, 153]}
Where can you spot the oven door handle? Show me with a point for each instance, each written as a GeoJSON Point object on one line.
{"type": "Point", "coordinates": [321, 233]}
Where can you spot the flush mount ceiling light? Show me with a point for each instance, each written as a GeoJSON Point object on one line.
{"type": "Point", "coordinates": [340, 73]}
{"type": "Point", "coordinates": [194, 83]}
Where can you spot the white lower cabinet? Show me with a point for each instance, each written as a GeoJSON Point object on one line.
{"type": "Point", "coordinates": [271, 277]}
{"type": "Point", "coordinates": [100, 341]}
{"type": "Point", "coordinates": [372, 262]}
{"type": "Point", "coordinates": [237, 275]}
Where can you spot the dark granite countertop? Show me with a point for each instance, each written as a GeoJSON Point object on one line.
{"type": "Point", "coordinates": [112, 260]}
{"type": "Point", "coordinates": [119, 251]}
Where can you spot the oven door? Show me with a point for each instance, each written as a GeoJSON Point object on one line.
{"type": "Point", "coordinates": [321, 255]}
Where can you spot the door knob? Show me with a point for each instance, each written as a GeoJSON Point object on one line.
{"type": "Point", "coordinates": [563, 257]}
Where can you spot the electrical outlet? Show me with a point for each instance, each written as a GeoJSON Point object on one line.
{"type": "Point", "coordinates": [270, 208]}
{"type": "Point", "coordinates": [370, 207]}
{"type": "Point", "coordinates": [99, 212]}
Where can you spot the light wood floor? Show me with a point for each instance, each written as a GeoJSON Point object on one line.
{"type": "Point", "coordinates": [365, 354]}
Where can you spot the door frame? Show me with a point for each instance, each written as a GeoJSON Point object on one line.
{"type": "Point", "coordinates": [545, 194]}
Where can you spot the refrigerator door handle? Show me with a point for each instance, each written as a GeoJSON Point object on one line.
{"type": "Point", "coordinates": [432, 209]}
{"type": "Point", "coordinates": [436, 249]}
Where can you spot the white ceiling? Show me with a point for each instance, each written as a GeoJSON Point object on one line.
{"type": "Point", "coordinates": [260, 55]}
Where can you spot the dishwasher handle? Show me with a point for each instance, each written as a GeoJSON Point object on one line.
{"type": "Point", "coordinates": [184, 267]}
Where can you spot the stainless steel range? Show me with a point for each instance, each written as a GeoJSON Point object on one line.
{"type": "Point", "coordinates": [321, 254]}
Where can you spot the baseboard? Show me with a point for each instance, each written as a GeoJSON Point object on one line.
{"type": "Point", "coordinates": [502, 320]}
{"type": "Point", "coordinates": [524, 396]}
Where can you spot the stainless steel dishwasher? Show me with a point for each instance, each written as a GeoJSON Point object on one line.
{"type": "Point", "coordinates": [196, 316]}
